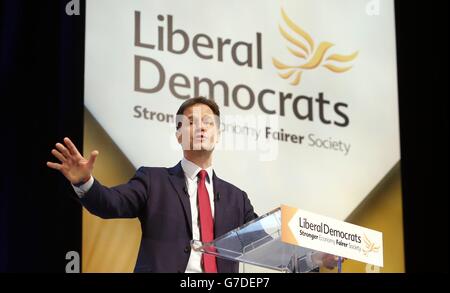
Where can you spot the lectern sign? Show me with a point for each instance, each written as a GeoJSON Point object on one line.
{"type": "Point", "coordinates": [336, 237]}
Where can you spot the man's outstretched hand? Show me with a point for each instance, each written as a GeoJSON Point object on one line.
{"type": "Point", "coordinates": [72, 164]}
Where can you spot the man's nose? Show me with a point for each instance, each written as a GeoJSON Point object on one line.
{"type": "Point", "coordinates": [201, 125]}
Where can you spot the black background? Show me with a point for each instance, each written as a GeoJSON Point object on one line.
{"type": "Point", "coordinates": [42, 67]}
{"type": "Point", "coordinates": [41, 90]}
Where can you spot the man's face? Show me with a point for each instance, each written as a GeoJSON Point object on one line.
{"type": "Point", "coordinates": [199, 129]}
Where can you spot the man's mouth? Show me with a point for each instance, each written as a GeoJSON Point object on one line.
{"type": "Point", "coordinates": [200, 137]}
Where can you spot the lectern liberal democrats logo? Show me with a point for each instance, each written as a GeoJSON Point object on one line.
{"type": "Point", "coordinates": [311, 56]}
{"type": "Point", "coordinates": [369, 246]}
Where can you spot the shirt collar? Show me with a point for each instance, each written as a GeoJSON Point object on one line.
{"type": "Point", "coordinates": [191, 170]}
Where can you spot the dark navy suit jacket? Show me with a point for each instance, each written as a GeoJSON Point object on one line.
{"type": "Point", "coordinates": [158, 197]}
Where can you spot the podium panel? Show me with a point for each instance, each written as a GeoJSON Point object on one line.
{"type": "Point", "coordinates": [259, 243]}
{"type": "Point", "coordinates": [296, 241]}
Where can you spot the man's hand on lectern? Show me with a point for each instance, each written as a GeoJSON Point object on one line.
{"type": "Point", "coordinates": [327, 260]}
{"type": "Point", "coordinates": [73, 165]}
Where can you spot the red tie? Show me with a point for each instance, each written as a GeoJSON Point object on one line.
{"type": "Point", "coordinates": [206, 222]}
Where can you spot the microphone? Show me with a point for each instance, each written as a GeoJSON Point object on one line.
{"type": "Point", "coordinates": [185, 191]}
{"type": "Point", "coordinates": [217, 196]}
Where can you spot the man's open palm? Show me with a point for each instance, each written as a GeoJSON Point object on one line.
{"type": "Point", "coordinates": [72, 164]}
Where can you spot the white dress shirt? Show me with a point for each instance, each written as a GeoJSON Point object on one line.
{"type": "Point", "coordinates": [190, 174]}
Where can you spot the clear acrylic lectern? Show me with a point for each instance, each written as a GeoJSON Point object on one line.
{"type": "Point", "coordinates": [259, 243]}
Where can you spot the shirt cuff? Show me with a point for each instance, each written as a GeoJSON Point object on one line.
{"type": "Point", "coordinates": [83, 188]}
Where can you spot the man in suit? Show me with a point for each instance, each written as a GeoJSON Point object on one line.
{"type": "Point", "coordinates": [174, 205]}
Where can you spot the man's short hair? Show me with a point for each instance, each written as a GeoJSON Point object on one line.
{"type": "Point", "coordinates": [197, 100]}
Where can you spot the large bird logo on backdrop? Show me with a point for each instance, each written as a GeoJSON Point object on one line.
{"type": "Point", "coordinates": [369, 246]}
{"type": "Point", "coordinates": [311, 56]}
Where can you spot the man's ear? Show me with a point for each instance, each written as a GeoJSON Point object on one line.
{"type": "Point", "coordinates": [178, 135]}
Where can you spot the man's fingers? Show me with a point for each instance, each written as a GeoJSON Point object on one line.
{"type": "Point", "coordinates": [72, 148]}
{"type": "Point", "coordinates": [92, 158]}
{"type": "Point", "coordinates": [58, 155]}
{"type": "Point", "coordinates": [55, 166]}
{"type": "Point", "coordinates": [63, 150]}
{"type": "Point", "coordinates": [330, 261]}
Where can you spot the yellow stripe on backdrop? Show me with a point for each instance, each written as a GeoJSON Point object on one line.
{"type": "Point", "coordinates": [112, 245]}
{"type": "Point", "coordinates": [108, 245]}
{"type": "Point", "coordinates": [382, 211]}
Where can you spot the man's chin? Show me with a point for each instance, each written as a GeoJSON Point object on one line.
{"type": "Point", "coordinates": [202, 147]}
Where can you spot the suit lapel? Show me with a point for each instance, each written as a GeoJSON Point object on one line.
{"type": "Point", "coordinates": [219, 204]}
{"type": "Point", "coordinates": [179, 183]}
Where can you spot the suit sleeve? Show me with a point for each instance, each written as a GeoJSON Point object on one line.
{"type": "Point", "coordinates": [122, 201]}
{"type": "Point", "coordinates": [249, 213]}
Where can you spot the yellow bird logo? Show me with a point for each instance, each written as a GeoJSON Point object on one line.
{"type": "Point", "coordinates": [369, 246]}
{"type": "Point", "coordinates": [312, 56]}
